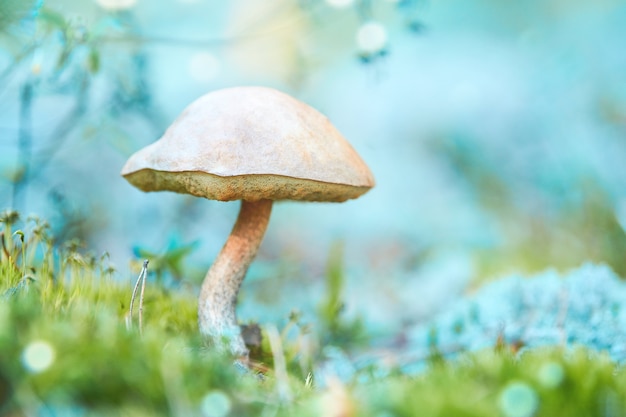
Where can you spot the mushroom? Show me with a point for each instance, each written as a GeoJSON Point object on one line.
{"type": "Point", "coordinates": [257, 145]}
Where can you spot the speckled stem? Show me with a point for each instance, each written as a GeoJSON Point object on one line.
{"type": "Point", "coordinates": [218, 297]}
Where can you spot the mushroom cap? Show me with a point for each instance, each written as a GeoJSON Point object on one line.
{"type": "Point", "coordinates": [251, 143]}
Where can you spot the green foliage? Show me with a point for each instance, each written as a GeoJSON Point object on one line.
{"type": "Point", "coordinates": [335, 328]}
{"type": "Point", "coordinates": [580, 225]}
{"type": "Point", "coordinates": [547, 382]}
{"type": "Point", "coordinates": [13, 11]}
{"type": "Point", "coordinates": [66, 349]}
{"type": "Point", "coordinates": [565, 384]}
{"type": "Point", "coordinates": [587, 229]}
{"type": "Point", "coordinates": [53, 19]}
{"type": "Point", "coordinates": [169, 261]}
{"type": "Point", "coordinates": [65, 344]}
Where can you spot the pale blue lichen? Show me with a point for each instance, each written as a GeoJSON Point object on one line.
{"type": "Point", "coordinates": [581, 307]}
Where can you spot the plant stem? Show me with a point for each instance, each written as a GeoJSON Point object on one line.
{"type": "Point", "coordinates": [142, 280]}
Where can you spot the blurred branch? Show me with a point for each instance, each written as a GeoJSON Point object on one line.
{"type": "Point", "coordinates": [61, 133]}
{"type": "Point", "coordinates": [25, 144]}
{"type": "Point", "coordinates": [192, 43]}
{"type": "Point", "coordinates": [204, 43]}
{"type": "Point", "coordinates": [16, 62]}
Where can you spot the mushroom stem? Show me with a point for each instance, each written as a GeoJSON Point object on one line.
{"type": "Point", "coordinates": [218, 297]}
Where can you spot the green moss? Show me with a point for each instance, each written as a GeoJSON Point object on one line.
{"type": "Point", "coordinates": [77, 315]}
{"type": "Point", "coordinates": [66, 349]}
{"type": "Point", "coordinates": [546, 382]}
{"type": "Point", "coordinates": [98, 363]}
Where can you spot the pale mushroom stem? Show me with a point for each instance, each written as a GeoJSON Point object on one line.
{"type": "Point", "coordinates": [218, 297]}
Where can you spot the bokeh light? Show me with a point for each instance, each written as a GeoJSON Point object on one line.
{"type": "Point", "coordinates": [340, 4]}
{"type": "Point", "coordinates": [116, 5]}
{"type": "Point", "coordinates": [551, 374]}
{"type": "Point", "coordinates": [215, 404]}
{"type": "Point", "coordinates": [371, 37]}
{"type": "Point", "coordinates": [38, 356]}
{"type": "Point", "coordinates": [518, 399]}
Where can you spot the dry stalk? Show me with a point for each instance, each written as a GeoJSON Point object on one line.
{"type": "Point", "coordinates": [141, 279]}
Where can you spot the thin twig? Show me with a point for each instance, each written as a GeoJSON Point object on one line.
{"type": "Point", "coordinates": [142, 279]}
{"type": "Point", "coordinates": [143, 289]}
{"type": "Point", "coordinates": [132, 299]}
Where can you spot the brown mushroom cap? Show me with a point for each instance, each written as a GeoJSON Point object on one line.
{"type": "Point", "coordinates": [251, 143]}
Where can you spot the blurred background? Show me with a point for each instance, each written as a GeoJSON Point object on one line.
{"type": "Point", "coordinates": [496, 131]}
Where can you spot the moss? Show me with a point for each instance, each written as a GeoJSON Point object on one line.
{"type": "Point", "coordinates": [66, 349]}
{"type": "Point", "coordinates": [543, 382]}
